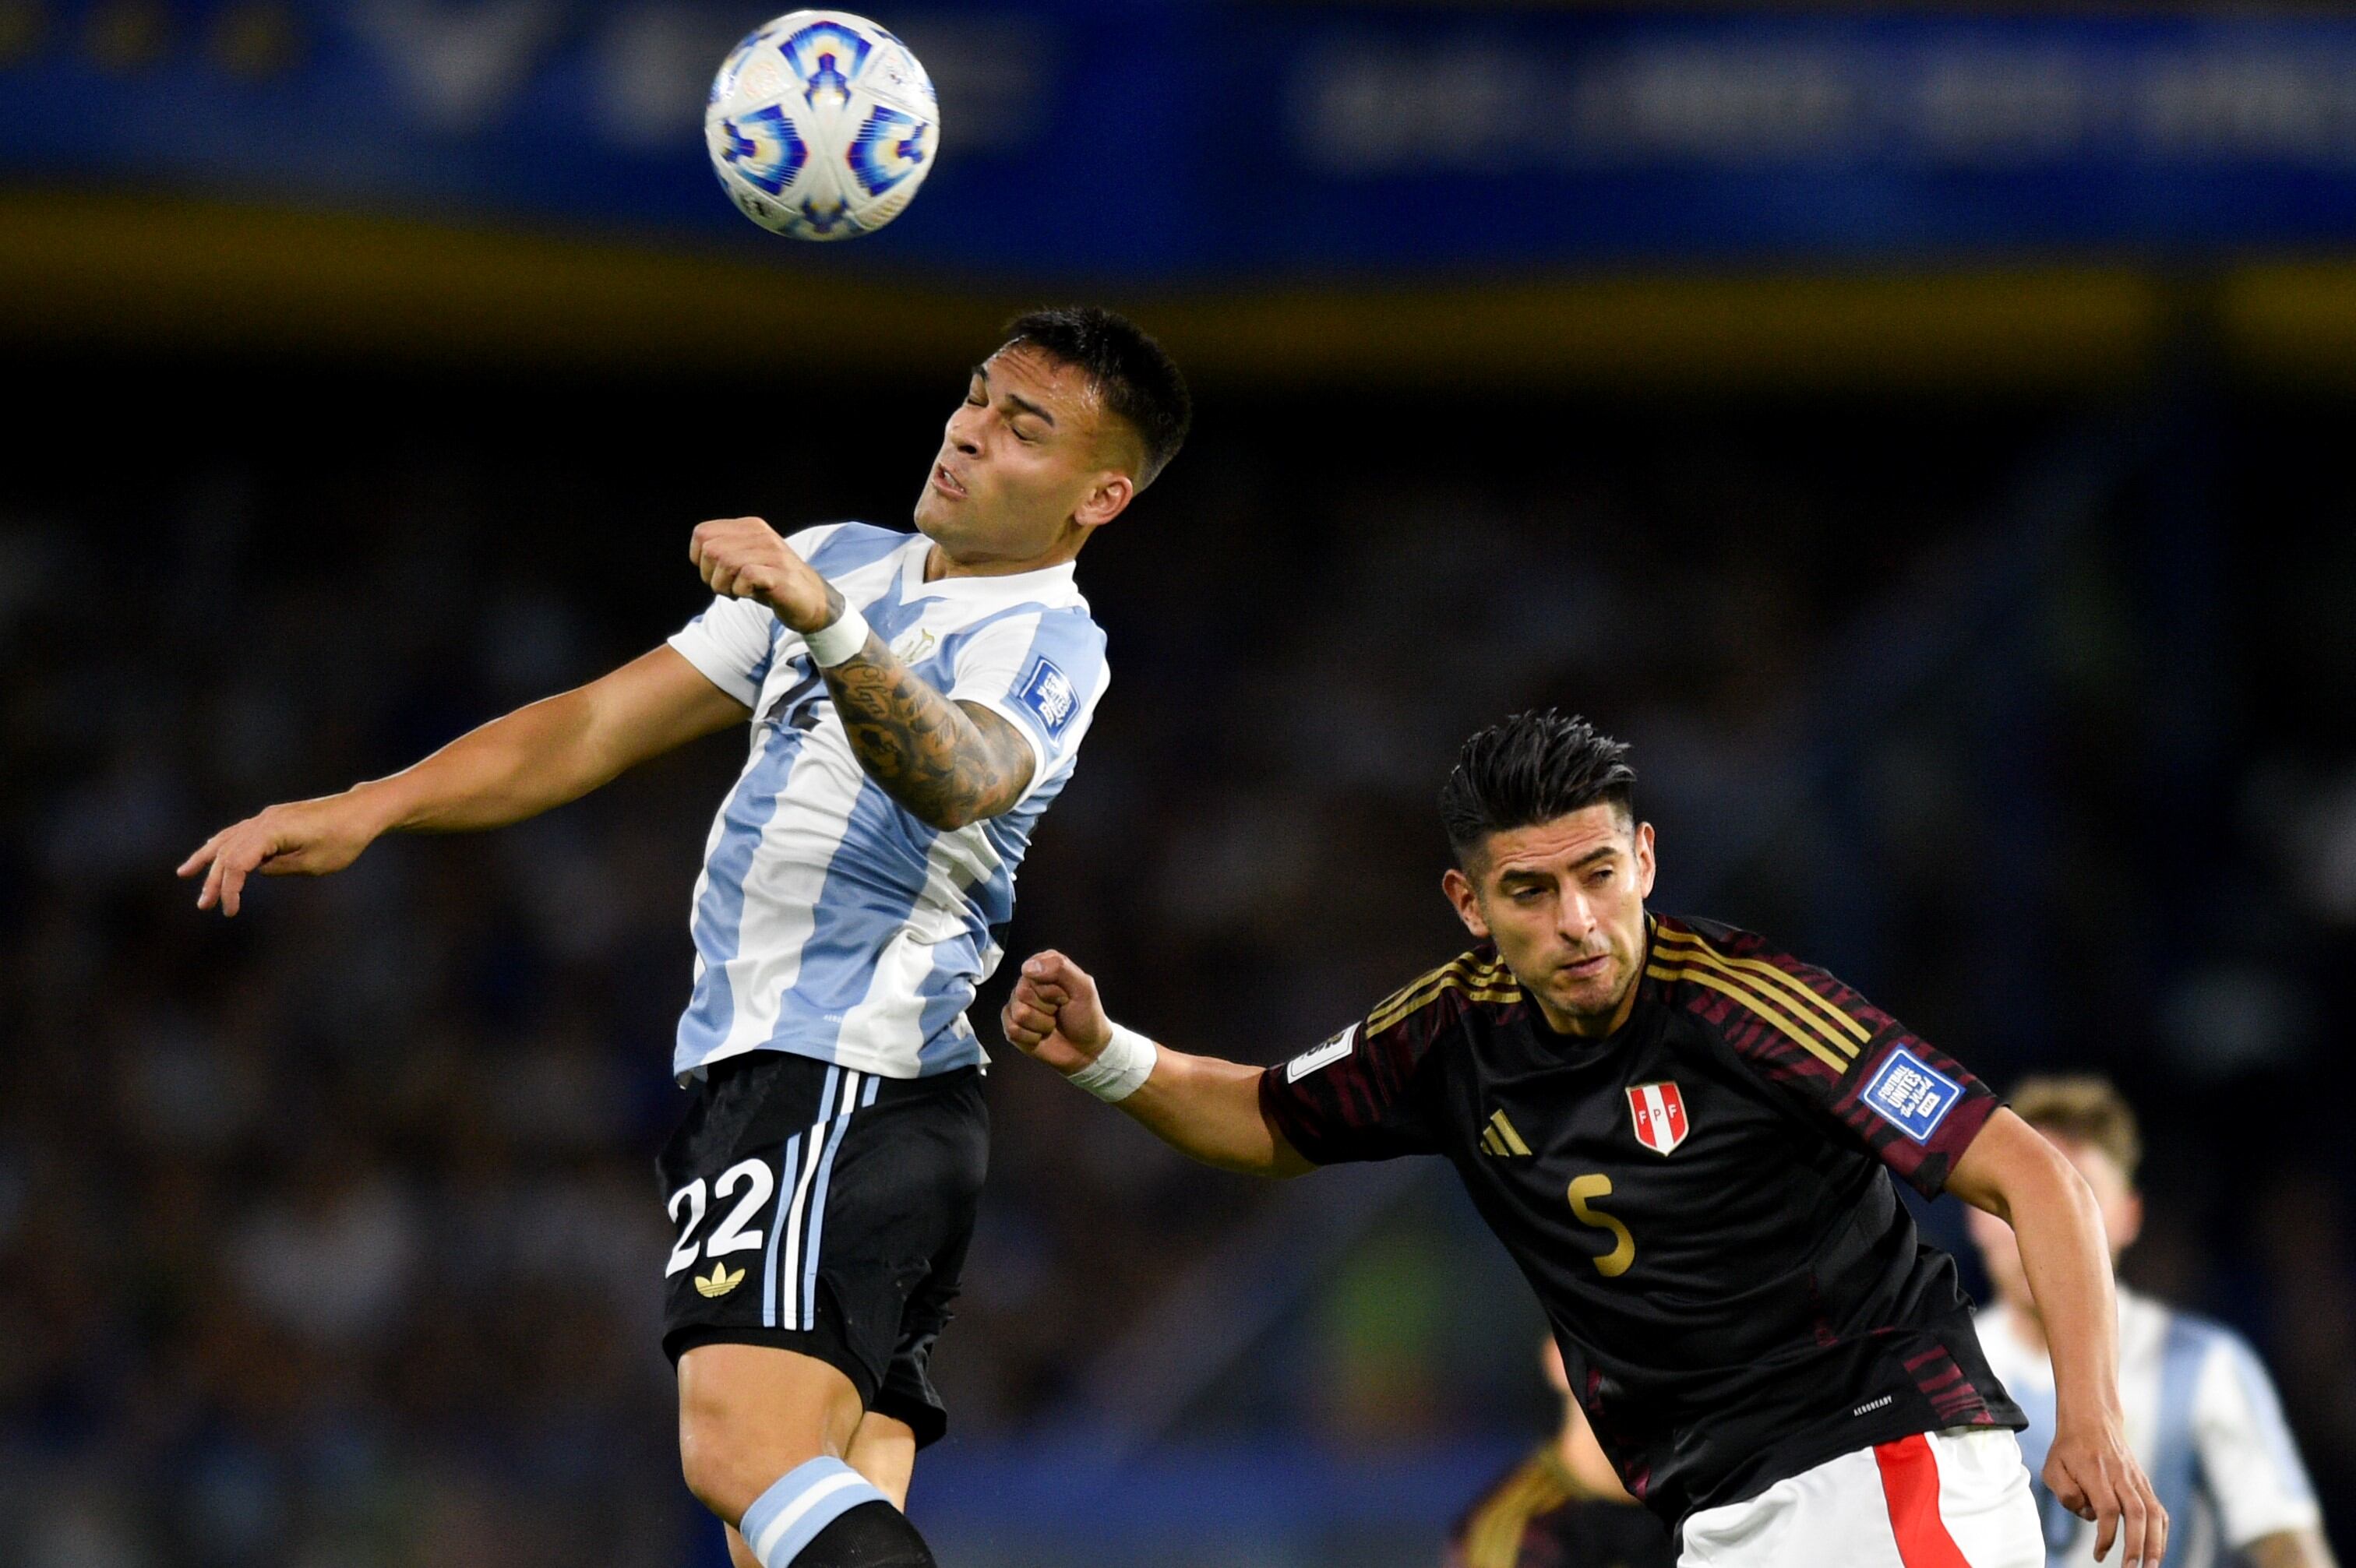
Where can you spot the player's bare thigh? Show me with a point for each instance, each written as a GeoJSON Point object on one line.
{"type": "Point", "coordinates": [748, 1413]}
{"type": "Point", "coordinates": [884, 1450]}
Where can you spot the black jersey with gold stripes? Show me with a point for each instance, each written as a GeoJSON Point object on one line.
{"type": "Point", "coordinates": [1538, 1516]}
{"type": "Point", "coordinates": [1702, 1200]}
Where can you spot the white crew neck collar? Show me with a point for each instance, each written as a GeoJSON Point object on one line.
{"type": "Point", "coordinates": [1047, 582]}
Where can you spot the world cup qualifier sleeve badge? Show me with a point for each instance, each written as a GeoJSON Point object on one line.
{"type": "Point", "coordinates": [1659, 1112]}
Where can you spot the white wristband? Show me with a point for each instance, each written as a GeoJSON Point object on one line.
{"type": "Point", "coordinates": [839, 640]}
{"type": "Point", "coordinates": [1121, 1068]}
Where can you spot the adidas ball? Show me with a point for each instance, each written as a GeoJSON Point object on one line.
{"type": "Point", "coordinates": [821, 126]}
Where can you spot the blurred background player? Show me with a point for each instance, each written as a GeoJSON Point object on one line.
{"type": "Point", "coordinates": [917, 701]}
{"type": "Point", "coordinates": [1563, 1507]}
{"type": "Point", "coordinates": [2201, 1411]}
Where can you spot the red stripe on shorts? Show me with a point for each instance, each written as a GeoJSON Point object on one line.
{"type": "Point", "coordinates": [1910, 1485]}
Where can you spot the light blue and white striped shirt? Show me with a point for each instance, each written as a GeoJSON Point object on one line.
{"type": "Point", "coordinates": [2201, 1417]}
{"type": "Point", "coordinates": [829, 921]}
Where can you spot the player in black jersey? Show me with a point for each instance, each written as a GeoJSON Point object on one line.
{"type": "Point", "coordinates": [1685, 1138]}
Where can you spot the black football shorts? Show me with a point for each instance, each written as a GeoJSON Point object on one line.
{"type": "Point", "coordinates": [825, 1211]}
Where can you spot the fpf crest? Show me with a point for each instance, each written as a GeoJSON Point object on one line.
{"type": "Point", "coordinates": [1659, 1112]}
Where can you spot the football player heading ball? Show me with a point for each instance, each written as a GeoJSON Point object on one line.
{"type": "Point", "coordinates": [1686, 1139]}
{"type": "Point", "coordinates": [917, 703]}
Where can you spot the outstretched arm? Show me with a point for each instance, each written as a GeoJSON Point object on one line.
{"type": "Point", "coordinates": [1200, 1105]}
{"type": "Point", "coordinates": [2013, 1173]}
{"type": "Point", "coordinates": [539, 756]}
{"type": "Point", "coordinates": [951, 764]}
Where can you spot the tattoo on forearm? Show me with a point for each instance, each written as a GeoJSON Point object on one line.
{"type": "Point", "coordinates": [948, 763]}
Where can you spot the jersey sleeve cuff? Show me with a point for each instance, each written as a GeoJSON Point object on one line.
{"type": "Point", "coordinates": [1963, 1125]}
{"type": "Point", "coordinates": [714, 665]}
{"type": "Point", "coordinates": [1023, 723]}
{"type": "Point", "coordinates": [1280, 1113]}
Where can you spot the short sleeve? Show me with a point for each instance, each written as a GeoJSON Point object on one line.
{"type": "Point", "coordinates": [1043, 672]}
{"type": "Point", "coordinates": [2247, 1455]}
{"type": "Point", "coordinates": [1856, 1072]}
{"type": "Point", "coordinates": [1356, 1097]}
{"type": "Point", "coordinates": [734, 641]}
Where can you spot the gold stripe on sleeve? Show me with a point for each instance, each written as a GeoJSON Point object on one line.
{"type": "Point", "coordinates": [1768, 998]}
{"type": "Point", "coordinates": [1775, 977]}
{"type": "Point", "coordinates": [1701, 976]}
{"type": "Point", "coordinates": [1485, 982]}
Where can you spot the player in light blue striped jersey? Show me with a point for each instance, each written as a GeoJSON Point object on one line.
{"type": "Point", "coordinates": [916, 704]}
{"type": "Point", "coordinates": [2201, 1413]}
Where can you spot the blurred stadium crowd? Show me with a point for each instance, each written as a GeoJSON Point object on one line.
{"type": "Point", "coordinates": [329, 1236]}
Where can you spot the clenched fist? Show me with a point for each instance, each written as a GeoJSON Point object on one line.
{"type": "Point", "coordinates": [1056, 1015]}
{"type": "Point", "coordinates": [745, 558]}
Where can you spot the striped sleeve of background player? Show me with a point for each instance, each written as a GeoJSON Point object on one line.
{"type": "Point", "coordinates": [1363, 1094]}
{"type": "Point", "coordinates": [1873, 1081]}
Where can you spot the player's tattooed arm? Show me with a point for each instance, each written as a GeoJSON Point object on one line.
{"type": "Point", "coordinates": [950, 763]}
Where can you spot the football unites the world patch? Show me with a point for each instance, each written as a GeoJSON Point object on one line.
{"type": "Point", "coordinates": [1659, 1112]}
{"type": "Point", "coordinates": [1047, 692]}
{"type": "Point", "coordinates": [1910, 1094]}
{"type": "Point", "coordinates": [1325, 1055]}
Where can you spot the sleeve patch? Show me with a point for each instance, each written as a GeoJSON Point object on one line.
{"type": "Point", "coordinates": [1325, 1055]}
{"type": "Point", "coordinates": [1048, 693]}
{"type": "Point", "coordinates": [1910, 1094]}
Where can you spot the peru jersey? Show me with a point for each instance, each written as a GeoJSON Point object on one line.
{"type": "Point", "coordinates": [829, 921]}
{"type": "Point", "coordinates": [2202, 1419]}
{"type": "Point", "coordinates": [1702, 1201]}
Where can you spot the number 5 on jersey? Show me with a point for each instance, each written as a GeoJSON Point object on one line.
{"type": "Point", "coordinates": [1613, 1264]}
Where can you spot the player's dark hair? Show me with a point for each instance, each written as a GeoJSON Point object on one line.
{"type": "Point", "coordinates": [1532, 768]}
{"type": "Point", "coordinates": [1129, 370]}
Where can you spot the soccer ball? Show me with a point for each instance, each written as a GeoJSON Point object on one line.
{"type": "Point", "coordinates": [821, 126]}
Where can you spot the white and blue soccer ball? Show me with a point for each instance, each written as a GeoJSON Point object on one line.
{"type": "Point", "coordinates": [821, 126]}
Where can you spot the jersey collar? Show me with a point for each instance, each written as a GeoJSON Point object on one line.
{"type": "Point", "coordinates": [1057, 585]}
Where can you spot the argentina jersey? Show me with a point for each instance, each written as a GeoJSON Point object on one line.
{"type": "Point", "coordinates": [829, 921]}
{"type": "Point", "coordinates": [2201, 1417]}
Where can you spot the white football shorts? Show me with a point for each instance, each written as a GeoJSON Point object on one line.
{"type": "Point", "coordinates": [1940, 1499]}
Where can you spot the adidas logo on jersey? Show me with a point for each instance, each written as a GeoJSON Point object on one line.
{"type": "Point", "coordinates": [721, 1282]}
{"type": "Point", "coordinates": [1499, 1137]}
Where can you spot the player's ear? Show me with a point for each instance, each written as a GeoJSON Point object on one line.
{"type": "Point", "coordinates": [1466, 901]}
{"type": "Point", "coordinates": [1646, 866]}
{"type": "Point", "coordinates": [1106, 498]}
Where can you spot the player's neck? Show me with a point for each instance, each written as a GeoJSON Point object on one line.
{"type": "Point", "coordinates": [1589, 1026]}
{"type": "Point", "coordinates": [940, 563]}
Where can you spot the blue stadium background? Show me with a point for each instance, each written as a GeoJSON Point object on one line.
{"type": "Point", "coordinates": [1921, 431]}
